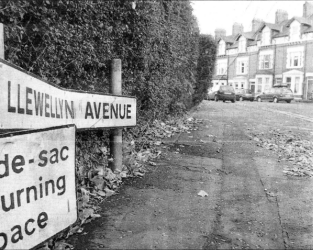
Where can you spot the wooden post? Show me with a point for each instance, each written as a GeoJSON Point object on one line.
{"type": "Point", "coordinates": [116, 139]}
{"type": "Point", "coordinates": [1, 41]}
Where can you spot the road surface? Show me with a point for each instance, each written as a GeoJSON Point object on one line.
{"type": "Point", "coordinates": [251, 203]}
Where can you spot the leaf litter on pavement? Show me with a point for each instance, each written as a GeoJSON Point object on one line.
{"type": "Point", "coordinates": [289, 147]}
{"type": "Point", "coordinates": [96, 181]}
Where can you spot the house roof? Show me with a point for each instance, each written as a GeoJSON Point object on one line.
{"type": "Point", "coordinates": [251, 43]}
{"type": "Point", "coordinates": [273, 26]}
{"type": "Point", "coordinates": [301, 20]}
{"type": "Point", "coordinates": [249, 35]}
{"type": "Point", "coordinates": [308, 30]}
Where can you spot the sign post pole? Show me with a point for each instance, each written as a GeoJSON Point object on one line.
{"type": "Point", "coordinates": [116, 139]}
{"type": "Point", "coordinates": [1, 41]}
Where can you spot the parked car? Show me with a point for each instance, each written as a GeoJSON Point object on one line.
{"type": "Point", "coordinates": [244, 94]}
{"type": "Point", "coordinates": [225, 93]}
{"type": "Point", "coordinates": [275, 95]}
{"type": "Point", "coordinates": [211, 93]}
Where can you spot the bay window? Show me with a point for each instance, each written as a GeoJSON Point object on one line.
{"type": "Point", "coordinates": [242, 66]}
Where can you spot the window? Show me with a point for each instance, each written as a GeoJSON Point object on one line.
{"type": "Point", "coordinates": [242, 66]}
{"type": "Point", "coordinates": [295, 31]}
{"type": "Point", "coordinates": [242, 45]}
{"type": "Point", "coordinates": [288, 81]}
{"type": "Point", "coordinates": [259, 85]}
{"type": "Point", "coordinates": [242, 85]}
{"type": "Point", "coordinates": [236, 85]}
{"type": "Point", "coordinates": [230, 84]}
{"type": "Point", "coordinates": [267, 84]}
{"type": "Point", "coordinates": [221, 48]}
{"type": "Point", "coordinates": [278, 81]}
{"type": "Point", "coordinates": [297, 85]}
{"type": "Point", "coordinates": [266, 61]}
{"type": "Point", "coordinates": [295, 58]}
{"type": "Point", "coordinates": [266, 36]}
{"type": "Point", "coordinates": [222, 67]}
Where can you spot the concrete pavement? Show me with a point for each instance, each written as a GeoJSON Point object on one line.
{"type": "Point", "coordinates": [250, 203]}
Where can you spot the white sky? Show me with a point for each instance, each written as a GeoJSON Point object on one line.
{"type": "Point", "coordinates": [222, 14]}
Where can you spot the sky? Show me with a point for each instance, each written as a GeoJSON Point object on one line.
{"type": "Point", "coordinates": [222, 14]}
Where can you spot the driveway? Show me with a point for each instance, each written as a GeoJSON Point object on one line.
{"type": "Point", "coordinates": [250, 202]}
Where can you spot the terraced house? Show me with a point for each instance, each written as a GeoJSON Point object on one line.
{"type": "Point", "coordinates": [272, 54]}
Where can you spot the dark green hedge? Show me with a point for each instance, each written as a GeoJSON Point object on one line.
{"type": "Point", "coordinates": [71, 43]}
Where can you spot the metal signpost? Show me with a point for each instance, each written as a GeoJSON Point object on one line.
{"type": "Point", "coordinates": [37, 185]}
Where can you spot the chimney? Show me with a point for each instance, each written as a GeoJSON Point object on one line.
{"type": "Point", "coordinates": [256, 23]}
{"type": "Point", "coordinates": [307, 9]}
{"type": "Point", "coordinates": [237, 28]}
{"type": "Point", "coordinates": [281, 15]}
{"type": "Point", "coordinates": [219, 33]}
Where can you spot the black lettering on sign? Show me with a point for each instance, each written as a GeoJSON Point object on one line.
{"type": "Point", "coordinates": [47, 186]}
{"type": "Point", "coordinates": [28, 100]}
{"type": "Point", "coordinates": [26, 227]}
{"type": "Point", "coordinates": [88, 111]}
{"type": "Point", "coordinates": [61, 107]}
{"type": "Point", "coordinates": [63, 158]}
{"type": "Point", "coordinates": [17, 162]}
{"type": "Point", "coordinates": [69, 109]}
{"type": "Point", "coordinates": [18, 194]}
{"type": "Point", "coordinates": [5, 207]}
{"type": "Point", "coordinates": [114, 110]}
{"type": "Point", "coordinates": [61, 186]}
{"type": "Point", "coordinates": [128, 111]}
{"type": "Point", "coordinates": [97, 111]}
{"type": "Point", "coordinates": [42, 218]}
{"type": "Point", "coordinates": [5, 163]}
{"type": "Point", "coordinates": [17, 236]}
{"type": "Point", "coordinates": [105, 110]}
{"type": "Point", "coordinates": [5, 241]}
{"type": "Point", "coordinates": [28, 189]}
{"type": "Point", "coordinates": [52, 114]}
{"type": "Point", "coordinates": [38, 103]}
{"type": "Point", "coordinates": [10, 108]}
{"type": "Point", "coordinates": [56, 109]}
{"type": "Point", "coordinates": [47, 114]}
{"type": "Point", "coordinates": [55, 157]}
{"type": "Point", "coordinates": [43, 158]}
{"type": "Point", "coordinates": [122, 116]}
{"type": "Point", "coordinates": [19, 109]}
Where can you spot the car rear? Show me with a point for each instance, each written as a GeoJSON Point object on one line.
{"type": "Point", "coordinates": [227, 93]}
{"type": "Point", "coordinates": [285, 95]}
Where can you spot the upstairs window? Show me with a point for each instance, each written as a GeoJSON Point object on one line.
{"type": "Point", "coordinates": [242, 45]}
{"type": "Point", "coordinates": [266, 36]}
{"type": "Point", "coordinates": [295, 31]}
{"type": "Point", "coordinates": [242, 66]}
{"type": "Point", "coordinates": [221, 48]}
{"type": "Point", "coordinates": [266, 61]}
{"type": "Point", "coordinates": [295, 58]}
{"type": "Point", "coordinates": [222, 67]}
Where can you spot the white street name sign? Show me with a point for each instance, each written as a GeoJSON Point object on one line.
{"type": "Point", "coordinates": [27, 102]}
{"type": "Point", "coordinates": [37, 186]}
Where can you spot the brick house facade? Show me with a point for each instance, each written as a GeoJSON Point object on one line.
{"type": "Point", "coordinates": [269, 55]}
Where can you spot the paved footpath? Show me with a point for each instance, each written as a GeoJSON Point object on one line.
{"type": "Point", "coordinates": [250, 203]}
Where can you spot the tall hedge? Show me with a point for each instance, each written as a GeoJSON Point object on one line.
{"type": "Point", "coordinates": [71, 42]}
{"type": "Point", "coordinates": [205, 67]}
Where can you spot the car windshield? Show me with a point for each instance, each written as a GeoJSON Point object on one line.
{"type": "Point", "coordinates": [248, 91]}
{"type": "Point", "coordinates": [227, 88]}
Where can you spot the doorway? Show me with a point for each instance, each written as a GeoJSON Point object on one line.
{"type": "Point", "coordinates": [310, 89]}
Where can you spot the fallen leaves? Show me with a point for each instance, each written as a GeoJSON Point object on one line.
{"type": "Point", "coordinates": [289, 147]}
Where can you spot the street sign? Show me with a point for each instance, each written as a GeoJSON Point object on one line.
{"type": "Point", "coordinates": [28, 102]}
{"type": "Point", "coordinates": [37, 185]}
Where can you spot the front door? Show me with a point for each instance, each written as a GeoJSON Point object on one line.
{"type": "Point", "coordinates": [252, 87]}
{"type": "Point", "coordinates": [310, 89]}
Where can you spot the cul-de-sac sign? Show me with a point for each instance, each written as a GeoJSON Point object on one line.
{"type": "Point", "coordinates": [37, 185]}
{"type": "Point", "coordinates": [27, 102]}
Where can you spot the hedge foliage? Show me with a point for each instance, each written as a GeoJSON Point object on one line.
{"type": "Point", "coordinates": [71, 43]}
